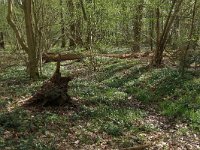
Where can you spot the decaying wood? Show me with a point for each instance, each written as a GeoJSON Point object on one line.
{"type": "Point", "coordinates": [55, 57]}
{"type": "Point", "coordinates": [124, 56]}
{"type": "Point", "coordinates": [120, 56]}
{"type": "Point", "coordinates": [140, 147]}
{"type": "Point", "coordinates": [53, 92]}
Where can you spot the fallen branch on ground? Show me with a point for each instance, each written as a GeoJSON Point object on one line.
{"type": "Point", "coordinates": [55, 57]}
{"type": "Point", "coordinates": [140, 147]}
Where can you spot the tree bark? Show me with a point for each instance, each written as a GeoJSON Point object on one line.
{"type": "Point", "coordinates": [53, 57]}
{"type": "Point", "coordinates": [157, 55]}
{"type": "Point", "coordinates": [184, 54]}
{"type": "Point", "coordinates": [14, 27]}
{"type": "Point", "coordinates": [151, 29]}
{"type": "Point", "coordinates": [30, 45]}
{"type": "Point", "coordinates": [72, 25]}
{"type": "Point", "coordinates": [87, 19]}
{"type": "Point", "coordinates": [62, 24]}
{"type": "Point", "coordinates": [162, 40]}
{"type": "Point", "coordinates": [137, 27]}
{"type": "Point", "coordinates": [32, 54]}
{"type": "Point", "coordinates": [2, 43]}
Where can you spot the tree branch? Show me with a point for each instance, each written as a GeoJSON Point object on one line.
{"type": "Point", "coordinates": [14, 27]}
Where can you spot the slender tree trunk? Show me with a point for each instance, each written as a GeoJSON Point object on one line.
{"type": "Point", "coordinates": [157, 54]}
{"type": "Point", "coordinates": [184, 55]}
{"type": "Point", "coordinates": [151, 29]}
{"type": "Point", "coordinates": [62, 23]}
{"type": "Point", "coordinates": [89, 34]}
{"type": "Point", "coordinates": [72, 26]}
{"type": "Point", "coordinates": [30, 45]}
{"type": "Point", "coordinates": [88, 19]}
{"type": "Point", "coordinates": [123, 25]}
{"type": "Point", "coordinates": [137, 27]}
{"type": "Point", "coordinates": [32, 54]}
{"type": "Point", "coordinates": [162, 40]}
{"type": "Point", "coordinates": [78, 29]}
{"type": "Point", "coordinates": [2, 43]}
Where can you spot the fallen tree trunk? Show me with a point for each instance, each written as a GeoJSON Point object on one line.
{"type": "Point", "coordinates": [55, 57]}
{"type": "Point", "coordinates": [53, 92]}
{"type": "Point", "coordinates": [126, 56]}
{"type": "Point", "coordinates": [120, 56]}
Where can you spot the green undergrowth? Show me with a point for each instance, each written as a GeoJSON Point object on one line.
{"type": "Point", "coordinates": [15, 82]}
{"type": "Point", "coordinates": [176, 96]}
{"type": "Point", "coordinates": [22, 129]}
{"type": "Point", "coordinates": [104, 109]}
{"type": "Point", "coordinates": [106, 100]}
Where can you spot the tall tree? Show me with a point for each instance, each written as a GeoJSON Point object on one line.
{"type": "Point", "coordinates": [184, 53]}
{"type": "Point", "coordinates": [151, 23]}
{"type": "Point", "coordinates": [62, 24]}
{"type": "Point", "coordinates": [30, 45]}
{"type": "Point", "coordinates": [163, 37]}
{"type": "Point", "coordinates": [72, 24]}
{"type": "Point", "coordinates": [137, 25]}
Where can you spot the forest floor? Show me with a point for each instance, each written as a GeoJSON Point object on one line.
{"type": "Point", "coordinates": [123, 104]}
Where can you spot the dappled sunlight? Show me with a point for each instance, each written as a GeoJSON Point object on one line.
{"type": "Point", "coordinates": [99, 74]}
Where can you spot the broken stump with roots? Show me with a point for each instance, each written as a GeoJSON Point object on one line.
{"type": "Point", "coordinates": [53, 92]}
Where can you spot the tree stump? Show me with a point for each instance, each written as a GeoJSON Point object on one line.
{"type": "Point", "coordinates": [53, 92]}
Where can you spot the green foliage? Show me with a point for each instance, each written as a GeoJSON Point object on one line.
{"type": "Point", "coordinates": [113, 121]}
{"type": "Point", "coordinates": [15, 81]}
{"type": "Point", "coordinates": [106, 102]}
{"type": "Point", "coordinates": [29, 127]}
{"type": "Point", "coordinates": [113, 129]}
{"type": "Point", "coordinates": [177, 97]}
{"type": "Point", "coordinates": [13, 120]}
{"type": "Point", "coordinates": [144, 95]}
